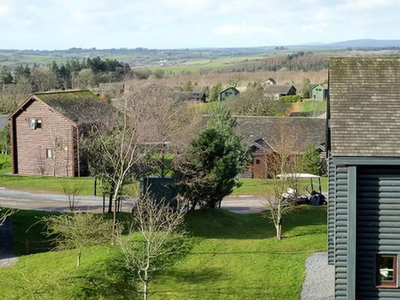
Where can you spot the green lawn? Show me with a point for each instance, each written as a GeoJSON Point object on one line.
{"type": "Point", "coordinates": [55, 184]}
{"type": "Point", "coordinates": [234, 257]}
{"type": "Point", "coordinates": [309, 106]}
{"type": "Point", "coordinates": [257, 186]}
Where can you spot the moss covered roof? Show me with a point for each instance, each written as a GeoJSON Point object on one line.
{"type": "Point", "coordinates": [364, 106]}
{"type": "Point", "coordinates": [78, 106]}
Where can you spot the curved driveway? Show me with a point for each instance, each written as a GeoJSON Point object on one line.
{"type": "Point", "coordinates": [243, 204]}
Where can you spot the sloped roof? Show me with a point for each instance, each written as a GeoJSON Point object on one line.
{"type": "Point", "coordinates": [3, 121]}
{"type": "Point", "coordinates": [323, 86]}
{"type": "Point", "coordinates": [273, 130]}
{"type": "Point", "coordinates": [78, 106]}
{"type": "Point", "coordinates": [190, 95]}
{"type": "Point", "coordinates": [365, 106]}
{"type": "Point", "coordinates": [270, 79]}
{"type": "Point", "coordinates": [277, 89]}
{"type": "Point", "coordinates": [231, 88]}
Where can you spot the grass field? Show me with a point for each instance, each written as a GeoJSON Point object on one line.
{"type": "Point", "coordinates": [48, 184]}
{"type": "Point", "coordinates": [311, 106]}
{"type": "Point", "coordinates": [233, 257]}
{"type": "Point", "coordinates": [257, 186]}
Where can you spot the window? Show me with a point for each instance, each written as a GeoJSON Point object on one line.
{"type": "Point", "coordinates": [49, 153]}
{"type": "Point", "coordinates": [387, 271]}
{"type": "Point", "coordinates": [257, 161]}
{"type": "Point", "coordinates": [35, 124]}
{"type": "Point", "coordinates": [58, 143]}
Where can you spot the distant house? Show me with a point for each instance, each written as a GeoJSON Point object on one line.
{"type": "Point", "coordinates": [265, 135]}
{"type": "Point", "coordinates": [364, 177]}
{"type": "Point", "coordinates": [192, 96]}
{"type": "Point", "coordinates": [45, 130]}
{"type": "Point", "coordinates": [268, 81]}
{"type": "Point", "coordinates": [275, 92]}
{"type": "Point", "coordinates": [228, 93]}
{"type": "Point", "coordinates": [319, 92]}
{"type": "Point", "coordinates": [111, 90]}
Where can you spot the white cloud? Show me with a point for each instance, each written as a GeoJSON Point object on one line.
{"type": "Point", "coordinates": [80, 17]}
{"type": "Point", "coordinates": [242, 29]}
{"type": "Point", "coordinates": [3, 10]}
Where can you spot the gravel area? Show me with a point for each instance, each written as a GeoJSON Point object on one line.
{"type": "Point", "coordinates": [319, 283]}
{"type": "Point", "coordinates": [7, 257]}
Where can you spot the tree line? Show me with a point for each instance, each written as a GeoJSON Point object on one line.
{"type": "Point", "coordinates": [73, 74]}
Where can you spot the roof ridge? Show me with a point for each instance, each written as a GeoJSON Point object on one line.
{"type": "Point", "coordinates": [61, 92]}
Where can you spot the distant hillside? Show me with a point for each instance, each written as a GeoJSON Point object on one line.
{"type": "Point", "coordinates": [367, 43]}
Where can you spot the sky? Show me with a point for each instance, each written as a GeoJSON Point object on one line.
{"type": "Point", "coordinates": [175, 24]}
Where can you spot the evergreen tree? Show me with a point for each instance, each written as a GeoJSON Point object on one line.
{"type": "Point", "coordinates": [215, 91]}
{"type": "Point", "coordinates": [207, 170]}
{"type": "Point", "coordinates": [312, 160]}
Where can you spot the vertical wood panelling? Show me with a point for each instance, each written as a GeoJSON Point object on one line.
{"type": "Point", "coordinates": [31, 145]}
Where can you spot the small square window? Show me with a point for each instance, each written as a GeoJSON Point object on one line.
{"type": "Point", "coordinates": [49, 153]}
{"type": "Point", "coordinates": [35, 124]}
{"type": "Point", "coordinates": [387, 271]}
{"type": "Point", "coordinates": [257, 161]}
{"type": "Point", "coordinates": [32, 124]}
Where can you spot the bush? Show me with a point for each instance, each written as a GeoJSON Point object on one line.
{"type": "Point", "coordinates": [290, 99]}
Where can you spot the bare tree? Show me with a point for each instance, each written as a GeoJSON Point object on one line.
{"type": "Point", "coordinates": [285, 160]}
{"type": "Point", "coordinates": [5, 213]}
{"type": "Point", "coordinates": [72, 189]}
{"type": "Point", "coordinates": [43, 78]}
{"type": "Point", "coordinates": [156, 235]}
{"type": "Point", "coordinates": [11, 95]}
{"type": "Point", "coordinates": [148, 118]}
{"type": "Point", "coordinates": [77, 231]}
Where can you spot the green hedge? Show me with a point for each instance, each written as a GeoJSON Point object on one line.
{"type": "Point", "coordinates": [290, 99]}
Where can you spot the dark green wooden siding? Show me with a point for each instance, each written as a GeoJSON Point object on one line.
{"type": "Point", "coordinates": [378, 226]}
{"type": "Point", "coordinates": [331, 212]}
{"type": "Point", "coordinates": [341, 232]}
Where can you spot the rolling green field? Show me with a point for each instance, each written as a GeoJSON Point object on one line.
{"type": "Point", "coordinates": [231, 256]}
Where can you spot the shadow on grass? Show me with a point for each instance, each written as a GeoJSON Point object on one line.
{"type": "Point", "coordinates": [193, 276]}
{"type": "Point", "coordinates": [101, 280]}
{"type": "Point", "coordinates": [223, 224]}
{"type": "Point", "coordinates": [108, 280]}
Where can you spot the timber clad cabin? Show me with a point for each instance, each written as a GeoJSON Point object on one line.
{"type": "Point", "coordinates": [275, 92]}
{"type": "Point", "coordinates": [192, 96]}
{"type": "Point", "coordinates": [45, 129]}
{"type": "Point", "coordinates": [230, 92]}
{"type": "Point", "coordinates": [266, 136]}
{"type": "Point", "coordinates": [319, 92]}
{"type": "Point", "coordinates": [364, 177]}
{"type": "Point", "coordinates": [268, 81]}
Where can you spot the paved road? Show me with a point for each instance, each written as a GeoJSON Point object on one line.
{"type": "Point", "coordinates": [243, 204]}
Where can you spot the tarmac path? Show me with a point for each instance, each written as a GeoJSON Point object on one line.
{"type": "Point", "coordinates": [243, 204]}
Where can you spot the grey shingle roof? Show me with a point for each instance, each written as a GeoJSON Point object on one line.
{"type": "Point", "coordinates": [365, 106]}
{"type": "Point", "coordinates": [190, 95]}
{"type": "Point", "coordinates": [277, 89]}
{"type": "Point", "coordinates": [298, 131]}
{"type": "Point", "coordinates": [3, 121]}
